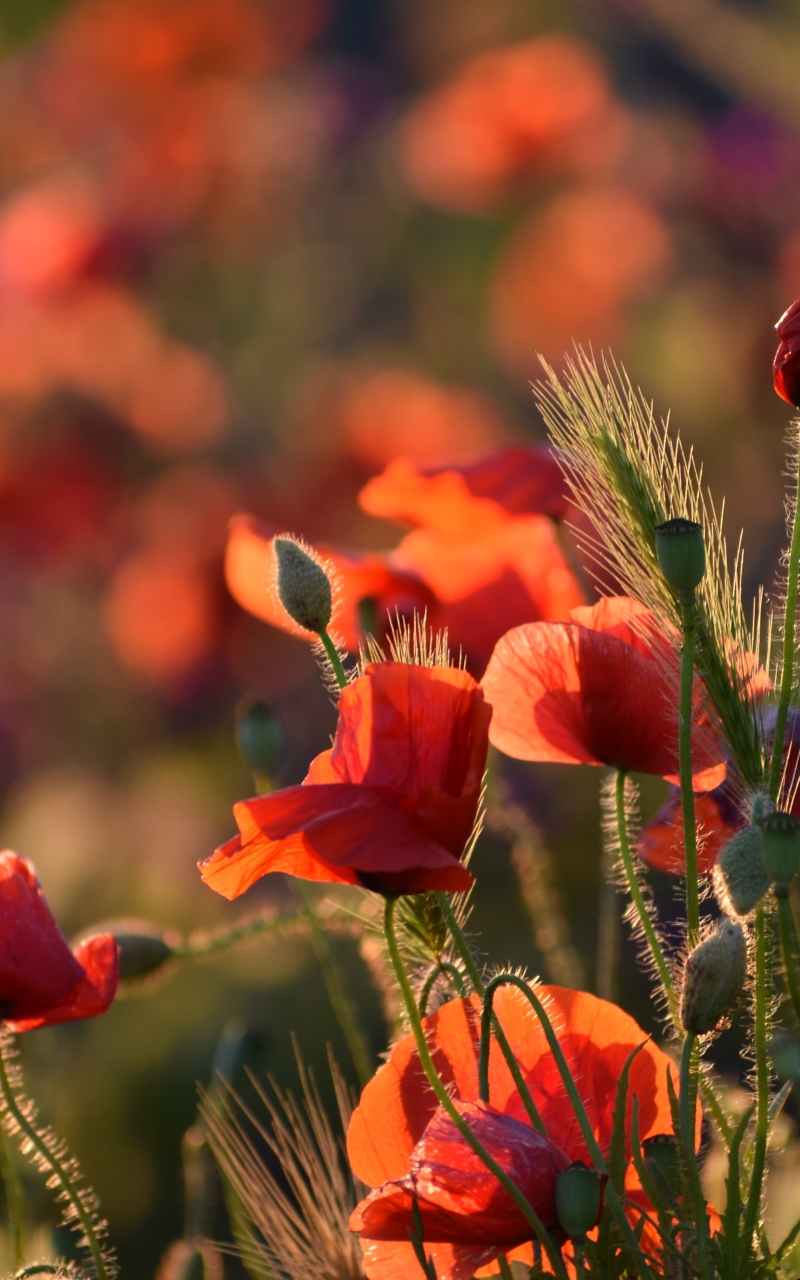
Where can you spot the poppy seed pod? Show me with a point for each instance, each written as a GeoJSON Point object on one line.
{"type": "Point", "coordinates": [260, 738]}
{"type": "Point", "coordinates": [663, 1163]}
{"type": "Point", "coordinates": [303, 585]}
{"type": "Point", "coordinates": [786, 365]}
{"type": "Point", "coordinates": [713, 978]}
{"type": "Point", "coordinates": [579, 1199]}
{"type": "Point", "coordinates": [780, 848]}
{"type": "Point", "coordinates": [741, 876]}
{"type": "Point", "coordinates": [681, 553]}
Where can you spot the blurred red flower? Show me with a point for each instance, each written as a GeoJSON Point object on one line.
{"type": "Point", "coordinates": [543, 104]}
{"type": "Point", "coordinates": [387, 1138]}
{"type": "Point", "coordinates": [468, 1219]}
{"type": "Point", "coordinates": [42, 982]}
{"type": "Point", "coordinates": [786, 365]}
{"type": "Point", "coordinates": [599, 689]}
{"type": "Point", "coordinates": [390, 806]}
{"type": "Point", "coordinates": [570, 271]}
{"type": "Point", "coordinates": [361, 582]}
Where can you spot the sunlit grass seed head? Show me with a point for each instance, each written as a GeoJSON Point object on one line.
{"type": "Point", "coordinates": [713, 979]}
{"type": "Point", "coordinates": [681, 553]}
{"type": "Point", "coordinates": [304, 587]}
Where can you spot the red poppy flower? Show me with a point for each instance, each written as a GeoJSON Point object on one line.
{"type": "Point", "coordinates": [41, 981]}
{"type": "Point", "coordinates": [599, 689]}
{"type": "Point", "coordinates": [467, 1217]}
{"type": "Point", "coordinates": [786, 365]}
{"type": "Point", "coordinates": [359, 580]}
{"type": "Point", "coordinates": [390, 1143]}
{"type": "Point", "coordinates": [390, 806]}
{"type": "Point", "coordinates": [489, 559]}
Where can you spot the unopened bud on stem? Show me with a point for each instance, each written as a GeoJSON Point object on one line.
{"type": "Point", "coordinates": [303, 586]}
{"type": "Point", "coordinates": [681, 554]}
{"type": "Point", "coordinates": [780, 849]}
{"type": "Point", "coordinates": [579, 1199]}
{"type": "Point", "coordinates": [741, 877]}
{"type": "Point", "coordinates": [713, 978]}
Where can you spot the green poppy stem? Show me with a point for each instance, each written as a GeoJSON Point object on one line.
{"type": "Point", "coordinates": [788, 934]}
{"type": "Point", "coordinates": [441, 967]}
{"type": "Point", "coordinates": [59, 1175]}
{"type": "Point", "coordinates": [689, 624]}
{"type": "Point", "coordinates": [15, 1202]}
{"type": "Point", "coordinates": [789, 625]}
{"type": "Point", "coordinates": [760, 1030]}
{"type": "Point", "coordinates": [333, 658]}
{"type": "Point", "coordinates": [445, 1101]}
{"type": "Point", "coordinates": [687, 1103]}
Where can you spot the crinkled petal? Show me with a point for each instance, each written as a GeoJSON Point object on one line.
{"type": "Point", "coordinates": [37, 967]}
{"type": "Point", "coordinates": [98, 961]}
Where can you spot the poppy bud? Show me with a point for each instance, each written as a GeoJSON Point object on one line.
{"type": "Point", "coordinates": [780, 848]}
{"type": "Point", "coordinates": [303, 585]}
{"type": "Point", "coordinates": [663, 1163]}
{"type": "Point", "coordinates": [579, 1199]}
{"type": "Point", "coordinates": [260, 738]}
{"type": "Point", "coordinates": [142, 947]}
{"type": "Point", "coordinates": [681, 553]}
{"type": "Point", "coordinates": [713, 978]}
{"type": "Point", "coordinates": [740, 874]}
{"type": "Point", "coordinates": [786, 365]}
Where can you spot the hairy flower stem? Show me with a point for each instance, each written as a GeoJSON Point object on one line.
{"type": "Point", "coordinates": [333, 658]}
{"type": "Point", "coordinates": [445, 1101]}
{"type": "Point", "coordinates": [788, 935]}
{"type": "Point", "coordinates": [59, 1176]}
{"type": "Point", "coordinates": [637, 897]}
{"type": "Point", "coordinates": [512, 979]}
{"type": "Point", "coordinates": [505, 1270]}
{"type": "Point", "coordinates": [437, 970]}
{"type": "Point", "coordinates": [15, 1203]}
{"type": "Point", "coordinates": [688, 1099]}
{"type": "Point", "coordinates": [789, 624]}
{"type": "Point", "coordinates": [206, 944]}
{"type": "Point", "coordinates": [500, 1035]}
{"type": "Point", "coordinates": [689, 625]}
{"type": "Point", "coordinates": [760, 1018]}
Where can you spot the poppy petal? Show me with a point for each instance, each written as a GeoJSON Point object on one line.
{"type": "Point", "coordinates": [37, 967]}
{"type": "Point", "coordinates": [98, 959]}
{"type": "Point", "coordinates": [342, 833]}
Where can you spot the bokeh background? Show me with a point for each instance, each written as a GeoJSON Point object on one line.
{"type": "Point", "coordinates": [250, 251]}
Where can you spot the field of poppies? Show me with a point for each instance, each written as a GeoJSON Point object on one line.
{"type": "Point", "coordinates": [399, 762]}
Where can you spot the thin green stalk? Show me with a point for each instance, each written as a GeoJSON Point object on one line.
{"type": "Point", "coordinates": [59, 1176]}
{"type": "Point", "coordinates": [687, 1101]}
{"type": "Point", "coordinates": [206, 944]}
{"type": "Point", "coordinates": [15, 1202]}
{"type": "Point", "coordinates": [442, 966]}
{"type": "Point", "coordinates": [340, 1002]}
{"type": "Point", "coordinates": [505, 1269]}
{"type": "Point", "coordinates": [500, 1035]}
{"type": "Point", "coordinates": [689, 623]}
{"type": "Point", "coordinates": [609, 934]}
{"type": "Point", "coordinates": [760, 1017]}
{"type": "Point", "coordinates": [789, 623]}
{"type": "Point", "coordinates": [580, 1269]}
{"type": "Point", "coordinates": [445, 1101]}
{"type": "Point", "coordinates": [512, 979]}
{"type": "Point", "coordinates": [333, 658]}
{"type": "Point", "coordinates": [788, 934]}
{"type": "Point", "coordinates": [637, 897]}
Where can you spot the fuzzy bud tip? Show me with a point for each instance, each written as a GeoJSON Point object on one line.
{"type": "Point", "coordinates": [713, 979]}
{"type": "Point", "coordinates": [740, 875]}
{"type": "Point", "coordinates": [304, 588]}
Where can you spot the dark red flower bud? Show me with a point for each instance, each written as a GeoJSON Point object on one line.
{"type": "Point", "coordinates": [786, 365]}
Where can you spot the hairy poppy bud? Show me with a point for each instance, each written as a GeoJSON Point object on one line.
{"type": "Point", "coordinates": [663, 1163]}
{"type": "Point", "coordinates": [713, 978]}
{"type": "Point", "coordinates": [260, 738]}
{"type": "Point", "coordinates": [740, 875]}
{"type": "Point", "coordinates": [579, 1199]}
{"type": "Point", "coordinates": [681, 553]}
{"type": "Point", "coordinates": [780, 848]}
{"type": "Point", "coordinates": [303, 585]}
{"type": "Point", "coordinates": [786, 365]}
{"type": "Point", "coordinates": [142, 947]}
